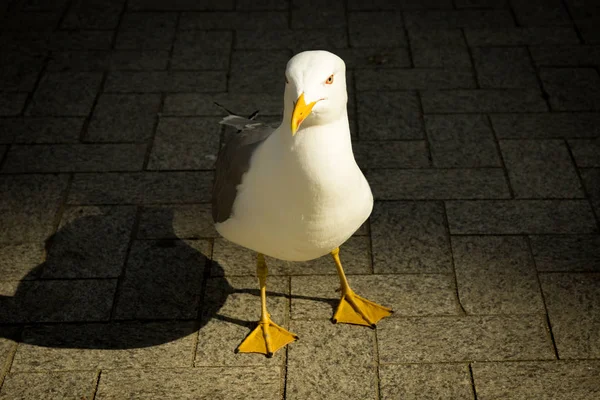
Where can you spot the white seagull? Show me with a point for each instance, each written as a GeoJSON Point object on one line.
{"type": "Point", "coordinates": [295, 192]}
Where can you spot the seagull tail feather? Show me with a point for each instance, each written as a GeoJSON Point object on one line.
{"type": "Point", "coordinates": [238, 122]}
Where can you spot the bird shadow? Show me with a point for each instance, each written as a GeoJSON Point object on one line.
{"type": "Point", "coordinates": [84, 295]}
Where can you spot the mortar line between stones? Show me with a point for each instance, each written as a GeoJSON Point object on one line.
{"type": "Point", "coordinates": [472, 381]}
{"type": "Point", "coordinates": [96, 384]}
{"type": "Point", "coordinates": [586, 193]}
{"type": "Point", "coordinates": [4, 157]}
{"type": "Point", "coordinates": [408, 46]}
{"type": "Point", "coordinates": [423, 125]}
{"type": "Point", "coordinates": [501, 157]}
{"type": "Point", "coordinates": [63, 15]}
{"type": "Point", "coordinates": [172, 48]}
{"type": "Point", "coordinates": [513, 14]}
{"type": "Point", "coordinates": [9, 361]}
{"type": "Point", "coordinates": [88, 118]}
{"type": "Point", "coordinates": [152, 138]}
{"type": "Point", "coordinates": [470, 52]}
{"type": "Point", "coordinates": [447, 228]}
{"type": "Point", "coordinates": [36, 84]}
{"type": "Point", "coordinates": [377, 364]}
{"type": "Point", "coordinates": [121, 277]}
{"type": "Point", "coordinates": [59, 213]}
{"type": "Point", "coordinates": [203, 288]}
{"type": "Point", "coordinates": [577, 31]}
{"type": "Point", "coordinates": [113, 42]}
{"type": "Point", "coordinates": [539, 283]}
{"type": "Point", "coordinates": [537, 69]}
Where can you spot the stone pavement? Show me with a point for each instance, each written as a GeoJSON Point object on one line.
{"type": "Point", "coordinates": [477, 123]}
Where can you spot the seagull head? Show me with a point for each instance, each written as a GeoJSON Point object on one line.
{"type": "Point", "coordinates": [315, 89]}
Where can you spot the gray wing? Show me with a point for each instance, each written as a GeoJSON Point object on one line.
{"type": "Point", "coordinates": [233, 162]}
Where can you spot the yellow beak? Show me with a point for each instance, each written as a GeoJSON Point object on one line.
{"type": "Point", "coordinates": [301, 111]}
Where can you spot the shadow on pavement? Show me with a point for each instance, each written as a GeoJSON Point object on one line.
{"type": "Point", "coordinates": [74, 299]}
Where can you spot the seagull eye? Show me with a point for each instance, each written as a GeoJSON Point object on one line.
{"type": "Point", "coordinates": [329, 80]}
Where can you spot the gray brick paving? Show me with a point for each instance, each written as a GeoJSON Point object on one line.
{"type": "Point", "coordinates": [475, 121]}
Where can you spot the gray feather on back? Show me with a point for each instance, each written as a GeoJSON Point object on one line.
{"type": "Point", "coordinates": [233, 162]}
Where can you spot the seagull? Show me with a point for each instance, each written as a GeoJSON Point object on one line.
{"type": "Point", "coordinates": [295, 192]}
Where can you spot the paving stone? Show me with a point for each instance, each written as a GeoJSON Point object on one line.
{"type": "Point", "coordinates": [118, 345]}
{"type": "Point", "coordinates": [460, 339]}
{"type": "Point", "coordinates": [425, 381]}
{"type": "Point", "coordinates": [448, 58]}
{"type": "Point", "coordinates": [331, 381]}
{"type": "Point", "coordinates": [389, 116]}
{"type": "Point", "coordinates": [11, 103]}
{"type": "Point", "coordinates": [572, 89]}
{"type": "Point", "coordinates": [65, 93]}
{"type": "Point", "coordinates": [429, 184]}
{"type": "Point", "coordinates": [540, 168]}
{"type": "Point", "coordinates": [496, 275]}
{"type": "Point", "coordinates": [589, 32]}
{"type": "Point", "coordinates": [123, 118]}
{"type": "Point", "coordinates": [42, 129]}
{"type": "Point", "coordinates": [198, 383]}
{"type": "Point", "coordinates": [163, 81]}
{"type": "Point", "coordinates": [571, 300]}
{"type": "Point", "coordinates": [254, 71]}
{"type": "Point", "coordinates": [163, 279]}
{"type": "Point", "coordinates": [293, 39]}
{"type": "Point", "coordinates": [458, 18]}
{"type": "Point", "coordinates": [548, 125]}
{"type": "Point", "coordinates": [480, 101]}
{"type": "Point", "coordinates": [250, 20]}
{"type": "Point", "coordinates": [376, 29]}
{"type": "Point", "coordinates": [375, 57]}
{"type": "Point", "coordinates": [591, 178]}
{"type": "Point", "coordinates": [520, 217]}
{"type": "Point", "coordinates": [586, 152]}
{"type": "Point", "coordinates": [180, 5]}
{"type": "Point", "coordinates": [406, 79]}
{"type": "Point", "coordinates": [99, 60]}
{"type": "Point", "coordinates": [463, 141]}
{"type": "Point", "coordinates": [147, 30]}
{"type": "Point", "coordinates": [555, 35]}
{"type": "Point", "coordinates": [18, 261]}
{"type": "Point", "coordinates": [3, 150]}
{"type": "Point", "coordinates": [27, 212]}
{"type": "Point", "coordinates": [313, 14]}
{"type": "Point", "coordinates": [32, 21]}
{"type": "Point", "coordinates": [52, 385]}
{"type": "Point", "coordinates": [91, 242]}
{"type": "Point", "coordinates": [74, 158]}
{"type": "Point", "coordinates": [185, 222]}
{"type": "Point", "coordinates": [231, 310]}
{"type": "Point", "coordinates": [30, 42]}
{"type": "Point", "coordinates": [177, 144]}
{"type": "Point", "coordinates": [201, 50]}
{"type": "Point", "coordinates": [93, 14]}
{"type": "Point", "coordinates": [566, 253]}
{"type": "Point", "coordinates": [141, 187]}
{"type": "Point", "coordinates": [391, 154]}
{"type": "Point", "coordinates": [541, 12]}
{"type": "Point", "coordinates": [18, 72]}
{"type": "Point", "coordinates": [316, 297]}
{"type": "Point", "coordinates": [572, 56]}
{"type": "Point", "coordinates": [410, 237]}
{"type": "Point", "coordinates": [56, 300]}
{"type": "Point", "coordinates": [232, 259]}
{"type": "Point", "coordinates": [345, 344]}
{"type": "Point", "coordinates": [504, 67]}
{"type": "Point", "coordinates": [44, 5]}
{"type": "Point", "coordinates": [398, 5]}
{"type": "Point", "coordinates": [541, 379]}
{"type": "Point", "coordinates": [429, 37]}
{"type": "Point", "coordinates": [240, 103]}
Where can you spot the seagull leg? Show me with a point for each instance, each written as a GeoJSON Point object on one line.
{"type": "Point", "coordinates": [354, 309]}
{"type": "Point", "coordinates": [267, 337]}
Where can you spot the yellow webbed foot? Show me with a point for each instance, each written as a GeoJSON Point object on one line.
{"type": "Point", "coordinates": [357, 310]}
{"type": "Point", "coordinates": [266, 339]}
